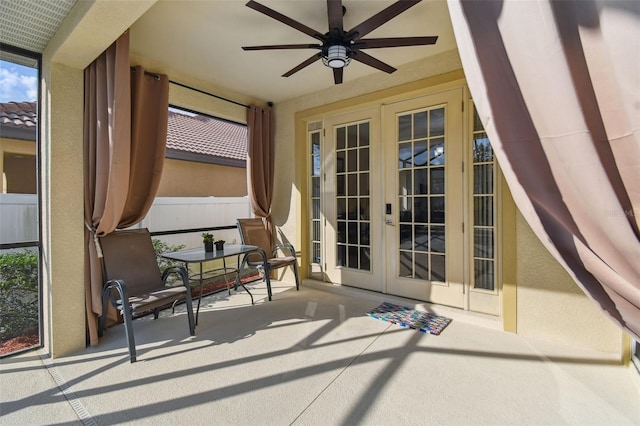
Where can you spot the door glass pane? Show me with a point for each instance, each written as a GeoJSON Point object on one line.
{"type": "Point", "coordinates": [352, 185]}
{"type": "Point", "coordinates": [421, 170]}
{"type": "Point", "coordinates": [436, 152]}
{"type": "Point", "coordinates": [437, 180]}
{"type": "Point", "coordinates": [364, 134]}
{"type": "Point", "coordinates": [352, 160]}
{"type": "Point", "coordinates": [364, 233]}
{"type": "Point", "coordinates": [406, 264]}
{"type": "Point", "coordinates": [352, 136]}
{"type": "Point", "coordinates": [420, 153]}
{"type": "Point", "coordinates": [406, 237]}
{"type": "Point", "coordinates": [341, 205]}
{"type": "Point", "coordinates": [365, 258]}
{"type": "Point", "coordinates": [436, 122]}
{"type": "Point", "coordinates": [421, 209]}
{"type": "Point", "coordinates": [404, 182]}
{"type": "Point", "coordinates": [341, 161]}
{"type": "Point", "coordinates": [406, 209]}
{"type": "Point", "coordinates": [341, 138]}
{"type": "Point", "coordinates": [420, 181]}
{"type": "Point", "coordinates": [404, 128]}
{"type": "Point", "coordinates": [420, 125]}
{"type": "Point", "coordinates": [436, 214]}
{"type": "Point", "coordinates": [365, 213]}
{"type": "Point", "coordinates": [342, 231]}
{"type": "Point", "coordinates": [364, 184]}
{"type": "Point", "coordinates": [353, 189]}
{"type": "Point", "coordinates": [405, 156]}
{"type": "Point", "coordinates": [421, 238]}
{"type": "Point", "coordinates": [340, 185]}
{"type": "Point", "coordinates": [438, 268]}
{"type": "Point", "coordinates": [422, 266]}
{"type": "Point", "coordinates": [364, 159]}
{"type": "Point", "coordinates": [437, 239]}
{"type": "Point", "coordinates": [483, 179]}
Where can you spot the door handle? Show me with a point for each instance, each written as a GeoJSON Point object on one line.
{"type": "Point", "coordinates": [389, 222]}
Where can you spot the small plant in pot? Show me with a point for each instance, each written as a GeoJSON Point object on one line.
{"type": "Point", "coordinates": [219, 244]}
{"type": "Point", "coordinates": [207, 239]}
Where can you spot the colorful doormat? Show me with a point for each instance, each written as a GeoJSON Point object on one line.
{"type": "Point", "coordinates": [405, 317]}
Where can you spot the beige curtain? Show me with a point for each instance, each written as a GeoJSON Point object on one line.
{"type": "Point", "coordinates": [260, 161]}
{"type": "Point", "coordinates": [557, 87]}
{"type": "Point", "coordinates": [124, 138]}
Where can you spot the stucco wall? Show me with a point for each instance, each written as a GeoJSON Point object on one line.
{"type": "Point", "coordinates": [17, 174]}
{"type": "Point", "coordinates": [63, 206]}
{"type": "Point", "coordinates": [191, 179]}
{"type": "Point", "coordinates": [551, 306]}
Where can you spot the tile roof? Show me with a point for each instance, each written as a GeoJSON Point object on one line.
{"type": "Point", "coordinates": [200, 135]}
{"type": "Point", "coordinates": [18, 114]}
{"type": "Point", "coordinates": [207, 136]}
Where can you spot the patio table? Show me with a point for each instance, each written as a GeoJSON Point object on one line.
{"type": "Point", "coordinates": [199, 256]}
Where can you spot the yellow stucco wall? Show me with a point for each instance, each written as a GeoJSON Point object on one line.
{"type": "Point", "coordinates": [63, 205]}
{"type": "Point", "coordinates": [551, 306]}
{"type": "Point", "coordinates": [191, 179]}
{"type": "Point", "coordinates": [17, 166]}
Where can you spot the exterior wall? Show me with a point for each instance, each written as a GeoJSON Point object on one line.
{"type": "Point", "coordinates": [551, 306]}
{"type": "Point", "coordinates": [18, 174]}
{"type": "Point", "coordinates": [63, 206]}
{"type": "Point", "coordinates": [190, 179]}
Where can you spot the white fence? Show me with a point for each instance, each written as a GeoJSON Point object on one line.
{"type": "Point", "coordinates": [19, 214]}
{"type": "Point", "coordinates": [173, 213]}
{"type": "Point", "coordinates": [18, 218]}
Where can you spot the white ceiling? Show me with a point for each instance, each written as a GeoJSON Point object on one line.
{"type": "Point", "coordinates": [203, 39]}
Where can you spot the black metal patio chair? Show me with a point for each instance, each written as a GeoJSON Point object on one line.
{"type": "Point", "coordinates": [254, 232]}
{"type": "Point", "coordinates": [134, 284]}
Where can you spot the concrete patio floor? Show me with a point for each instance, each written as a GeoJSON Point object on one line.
{"type": "Point", "coordinates": [314, 357]}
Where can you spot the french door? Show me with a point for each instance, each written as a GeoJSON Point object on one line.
{"type": "Point", "coordinates": [395, 199]}
{"type": "Point", "coordinates": [353, 199]}
{"type": "Point", "coordinates": [424, 198]}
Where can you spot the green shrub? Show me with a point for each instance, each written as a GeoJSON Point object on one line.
{"type": "Point", "coordinates": [18, 293]}
{"type": "Point", "coordinates": [161, 247]}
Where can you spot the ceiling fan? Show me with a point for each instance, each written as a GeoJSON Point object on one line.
{"type": "Point", "coordinates": [338, 47]}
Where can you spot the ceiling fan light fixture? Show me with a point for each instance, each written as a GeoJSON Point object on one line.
{"type": "Point", "coordinates": [338, 56]}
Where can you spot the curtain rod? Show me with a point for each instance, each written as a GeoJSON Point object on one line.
{"type": "Point", "coordinates": [202, 91]}
{"type": "Point", "coordinates": [207, 93]}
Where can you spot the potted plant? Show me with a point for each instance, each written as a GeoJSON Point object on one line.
{"type": "Point", "coordinates": [207, 239]}
{"type": "Point", "coordinates": [219, 244]}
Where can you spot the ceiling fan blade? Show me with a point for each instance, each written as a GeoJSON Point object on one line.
{"type": "Point", "coordinates": [380, 18]}
{"type": "Point", "coordinates": [372, 62]}
{"type": "Point", "coordinates": [374, 43]}
{"type": "Point", "coordinates": [285, 20]}
{"type": "Point", "coordinates": [335, 13]}
{"type": "Point", "coordinates": [303, 65]}
{"type": "Point", "coordinates": [283, 46]}
{"type": "Point", "coordinates": [337, 75]}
